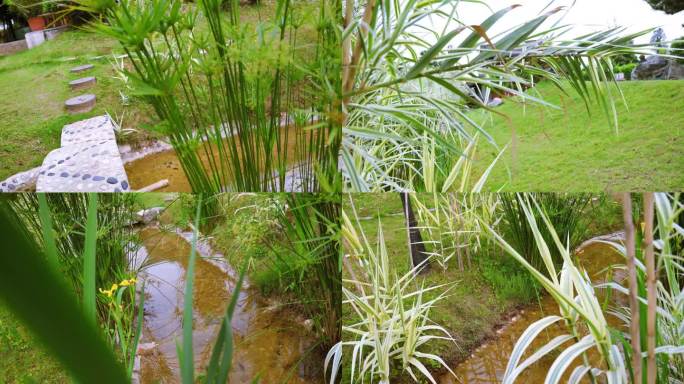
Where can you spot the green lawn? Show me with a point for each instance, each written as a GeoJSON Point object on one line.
{"type": "Point", "coordinates": [35, 85]}
{"type": "Point", "coordinates": [22, 359]}
{"type": "Point", "coordinates": [572, 150]}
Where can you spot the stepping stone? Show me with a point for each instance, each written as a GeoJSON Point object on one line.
{"type": "Point", "coordinates": [97, 129]}
{"type": "Point", "coordinates": [82, 83]}
{"type": "Point", "coordinates": [81, 68]}
{"type": "Point", "coordinates": [80, 104]}
{"type": "Point", "coordinates": [21, 182]}
{"type": "Point", "coordinates": [87, 167]}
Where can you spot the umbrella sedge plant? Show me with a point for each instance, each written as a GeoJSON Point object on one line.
{"type": "Point", "coordinates": [413, 69]}
{"type": "Point", "coordinates": [240, 106]}
{"type": "Point", "coordinates": [311, 265]}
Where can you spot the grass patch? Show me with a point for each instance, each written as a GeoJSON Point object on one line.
{"type": "Point", "coordinates": [36, 85]}
{"type": "Point", "coordinates": [572, 150]}
{"type": "Point", "coordinates": [22, 358]}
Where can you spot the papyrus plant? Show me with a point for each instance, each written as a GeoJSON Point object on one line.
{"type": "Point", "coordinates": [579, 310]}
{"type": "Point", "coordinates": [407, 68]}
{"type": "Point", "coordinates": [226, 92]}
{"type": "Point", "coordinates": [391, 312]}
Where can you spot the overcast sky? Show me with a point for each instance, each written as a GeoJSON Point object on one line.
{"type": "Point", "coordinates": [586, 15]}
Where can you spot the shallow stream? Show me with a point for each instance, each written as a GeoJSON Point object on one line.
{"type": "Point", "coordinates": [269, 341]}
{"type": "Point", "coordinates": [166, 165]}
{"type": "Point", "coordinates": [488, 363]}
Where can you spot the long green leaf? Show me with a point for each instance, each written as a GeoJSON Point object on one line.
{"type": "Point", "coordinates": [89, 261]}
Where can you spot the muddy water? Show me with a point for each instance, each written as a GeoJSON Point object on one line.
{"type": "Point", "coordinates": [488, 363]}
{"type": "Point", "coordinates": [166, 165]}
{"type": "Point", "coordinates": [268, 342]}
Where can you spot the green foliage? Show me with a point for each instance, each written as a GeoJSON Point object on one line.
{"type": "Point", "coordinates": [564, 211]}
{"type": "Point", "coordinates": [69, 215]}
{"type": "Point", "coordinates": [251, 230]}
{"type": "Point", "coordinates": [677, 48]}
{"type": "Point", "coordinates": [312, 265]}
{"type": "Point", "coordinates": [625, 69]}
{"type": "Point", "coordinates": [28, 8]}
{"type": "Point", "coordinates": [508, 279]}
{"type": "Point", "coordinates": [406, 126]}
{"type": "Point", "coordinates": [669, 6]}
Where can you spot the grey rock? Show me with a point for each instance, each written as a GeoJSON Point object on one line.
{"type": "Point", "coordinates": [658, 68]}
{"type": "Point", "coordinates": [146, 216]}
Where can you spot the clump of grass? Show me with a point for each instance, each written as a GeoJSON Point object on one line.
{"type": "Point", "coordinates": [563, 210]}
{"type": "Point", "coordinates": [509, 281]}
{"type": "Point", "coordinates": [394, 323]}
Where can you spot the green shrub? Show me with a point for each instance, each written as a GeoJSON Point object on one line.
{"type": "Point", "coordinates": [626, 69]}
{"type": "Point", "coordinates": [678, 44]}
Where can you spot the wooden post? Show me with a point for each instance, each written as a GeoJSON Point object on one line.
{"type": "Point", "coordinates": [415, 240]}
{"type": "Point", "coordinates": [632, 278]}
{"type": "Point", "coordinates": [650, 288]}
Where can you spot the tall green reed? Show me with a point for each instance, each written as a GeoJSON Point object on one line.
{"type": "Point", "coordinates": [60, 221]}
{"type": "Point", "coordinates": [225, 90]}
{"type": "Point", "coordinates": [669, 303]}
{"type": "Point", "coordinates": [222, 352]}
{"type": "Point", "coordinates": [311, 227]}
{"type": "Point", "coordinates": [563, 210]}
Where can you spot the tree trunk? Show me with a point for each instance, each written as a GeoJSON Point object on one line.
{"type": "Point", "coordinates": [416, 246]}
{"type": "Point", "coordinates": [650, 287]}
{"type": "Point", "coordinates": [456, 211]}
{"type": "Point", "coordinates": [632, 278]}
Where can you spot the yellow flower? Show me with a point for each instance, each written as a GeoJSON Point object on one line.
{"type": "Point", "coordinates": [125, 283]}
{"type": "Point", "coordinates": [114, 287]}
{"type": "Point", "coordinates": [132, 280]}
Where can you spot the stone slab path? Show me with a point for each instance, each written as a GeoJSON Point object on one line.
{"type": "Point", "coordinates": [88, 161]}
{"type": "Point", "coordinates": [95, 129]}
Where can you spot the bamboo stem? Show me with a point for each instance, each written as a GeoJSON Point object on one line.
{"type": "Point", "coordinates": [650, 287]}
{"type": "Point", "coordinates": [632, 277]}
